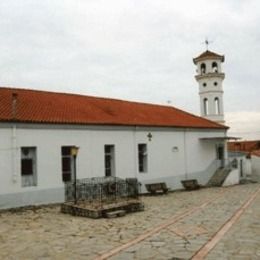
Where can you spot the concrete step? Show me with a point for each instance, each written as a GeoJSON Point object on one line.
{"type": "Point", "coordinates": [219, 177]}
{"type": "Point", "coordinates": [115, 213]}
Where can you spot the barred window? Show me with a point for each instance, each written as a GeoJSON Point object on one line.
{"type": "Point", "coordinates": [28, 166]}
{"type": "Point", "coordinates": [66, 163]}
{"type": "Point", "coordinates": [142, 157]}
{"type": "Point", "coordinates": [109, 160]}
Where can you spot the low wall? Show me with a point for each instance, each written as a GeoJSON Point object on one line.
{"type": "Point", "coordinates": [29, 198]}
{"type": "Point", "coordinates": [233, 178]}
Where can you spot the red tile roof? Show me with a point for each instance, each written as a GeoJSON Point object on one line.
{"type": "Point", "coordinates": [256, 153]}
{"type": "Point", "coordinates": [208, 55]}
{"type": "Point", "coordinates": [244, 146]}
{"type": "Point", "coordinates": [33, 106]}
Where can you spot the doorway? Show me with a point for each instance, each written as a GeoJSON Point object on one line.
{"type": "Point", "coordinates": [241, 168]}
{"type": "Point", "coordinates": [221, 155]}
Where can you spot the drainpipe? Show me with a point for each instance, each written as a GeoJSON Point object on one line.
{"type": "Point", "coordinates": [14, 138]}
{"type": "Point", "coordinates": [185, 155]}
{"type": "Point", "coordinates": [135, 154]}
{"type": "Point", "coordinates": [226, 158]}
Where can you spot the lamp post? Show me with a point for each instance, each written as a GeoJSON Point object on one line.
{"type": "Point", "coordinates": [74, 151]}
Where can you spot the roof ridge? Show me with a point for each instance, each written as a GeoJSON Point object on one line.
{"type": "Point", "coordinates": [98, 97]}
{"type": "Point", "coordinates": [84, 95]}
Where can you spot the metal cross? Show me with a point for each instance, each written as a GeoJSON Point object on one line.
{"type": "Point", "coordinates": [207, 42]}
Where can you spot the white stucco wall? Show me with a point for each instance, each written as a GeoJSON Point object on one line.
{"type": "Point", "coordinates": [255, 165]}
{"type": "Point", "coordinates": [233, 178]}
{"type": "Point", "coordinates": [244, 165]}
{"type": "Point", "coordinates": [193, 156]}
{"type": "Point", "coordinates": [247, 167]}
{"type": "Point", "coordinates": [5, 159]}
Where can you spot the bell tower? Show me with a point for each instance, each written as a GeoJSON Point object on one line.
{"type": "Point", "coordinates": [210, 77]}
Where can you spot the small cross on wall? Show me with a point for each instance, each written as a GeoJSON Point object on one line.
{"type": "Point", "coordinates": [150, 136]}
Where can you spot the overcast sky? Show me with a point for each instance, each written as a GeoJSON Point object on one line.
{"type": "Point", "coordinates": [138, 50]}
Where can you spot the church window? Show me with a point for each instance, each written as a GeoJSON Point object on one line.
{"type": "Point", "coordinates": [215, 83]}
{"type": "Point", "coordinates": [214, 67]}
{"type": "Point", "coordinates": [28, 166]}
{"type": "Point", "coordinates": [109, 160]}
{"type": "Point", "coordinates": [204, 84]}
{"type": "Point", "coordinates": [203, 68]}
{"type": "Point", "coordinates": [206, 106]}
{"type": "Point", "coordinates": [66, 163]}
{"type": "Point", "coordinates": [217, 106]}
{"type": "Point", "coordinates": [142, 157]}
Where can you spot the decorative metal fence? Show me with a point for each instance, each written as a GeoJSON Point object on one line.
{"type": "Point", "coordinates": [102, 190]}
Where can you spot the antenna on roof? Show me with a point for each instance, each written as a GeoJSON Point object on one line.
{"type": "Point", "coordinates": [207, 42]}
{"type": "Point", "coordinates": [169, 102]}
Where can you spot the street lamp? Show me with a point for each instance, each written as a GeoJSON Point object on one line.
{"type": "Point", "coordinates": [74, 151]}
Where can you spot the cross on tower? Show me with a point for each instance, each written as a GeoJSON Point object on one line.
{"type": "Point", "coordinates": [207, 42]}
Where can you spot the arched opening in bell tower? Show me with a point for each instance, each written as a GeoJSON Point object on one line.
{"type": "Point", "coordinates": [206, 106]}
{"type": "Point", "coordinates": [215, 67]}
{"type": "Point", "coordinates": [203, 68]}
{"type": "Point", "coordinates": [217, 110]}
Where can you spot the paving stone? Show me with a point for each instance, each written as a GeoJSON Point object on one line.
{"type": "Point", "coordinates": [125, 256]}
{"type": "Point", "coordinates": [158, 244]}
{"type": "Point", "coordinates": [48, 234]}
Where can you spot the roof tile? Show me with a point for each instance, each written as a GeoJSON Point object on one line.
{"type": "Point", "coordinates": [34, 106]}
{"type": "Point", "coordinates": [245, 146]}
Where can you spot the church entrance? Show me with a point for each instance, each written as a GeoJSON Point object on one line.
{"type": "Point", "coordinates": [221, 155]}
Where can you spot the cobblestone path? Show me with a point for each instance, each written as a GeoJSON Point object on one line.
{"type": "Point", "coordinates": [48, 234]}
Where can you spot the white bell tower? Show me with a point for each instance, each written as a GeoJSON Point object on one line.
{"type": "Point", "coordinates": [210, 77]}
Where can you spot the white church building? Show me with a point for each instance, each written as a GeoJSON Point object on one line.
{"type": "Point", "coordinates": [153, 143]}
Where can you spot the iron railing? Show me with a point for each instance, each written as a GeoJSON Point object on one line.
{"type": "Point", "coordinates": [102, 190]}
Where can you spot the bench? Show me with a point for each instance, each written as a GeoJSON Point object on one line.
{"type": "Point", "coordinates": [191, 184]}
{"type": "Point", "coordinates": [153, 188]}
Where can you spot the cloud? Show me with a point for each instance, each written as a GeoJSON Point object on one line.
{"type": "Point", "coordinates": [129, 49]}
{"type": "Point", "coordinates": [244, 124]}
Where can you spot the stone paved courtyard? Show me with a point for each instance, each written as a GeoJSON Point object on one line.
{"type": "Point", "coordinates": [172, 226]}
